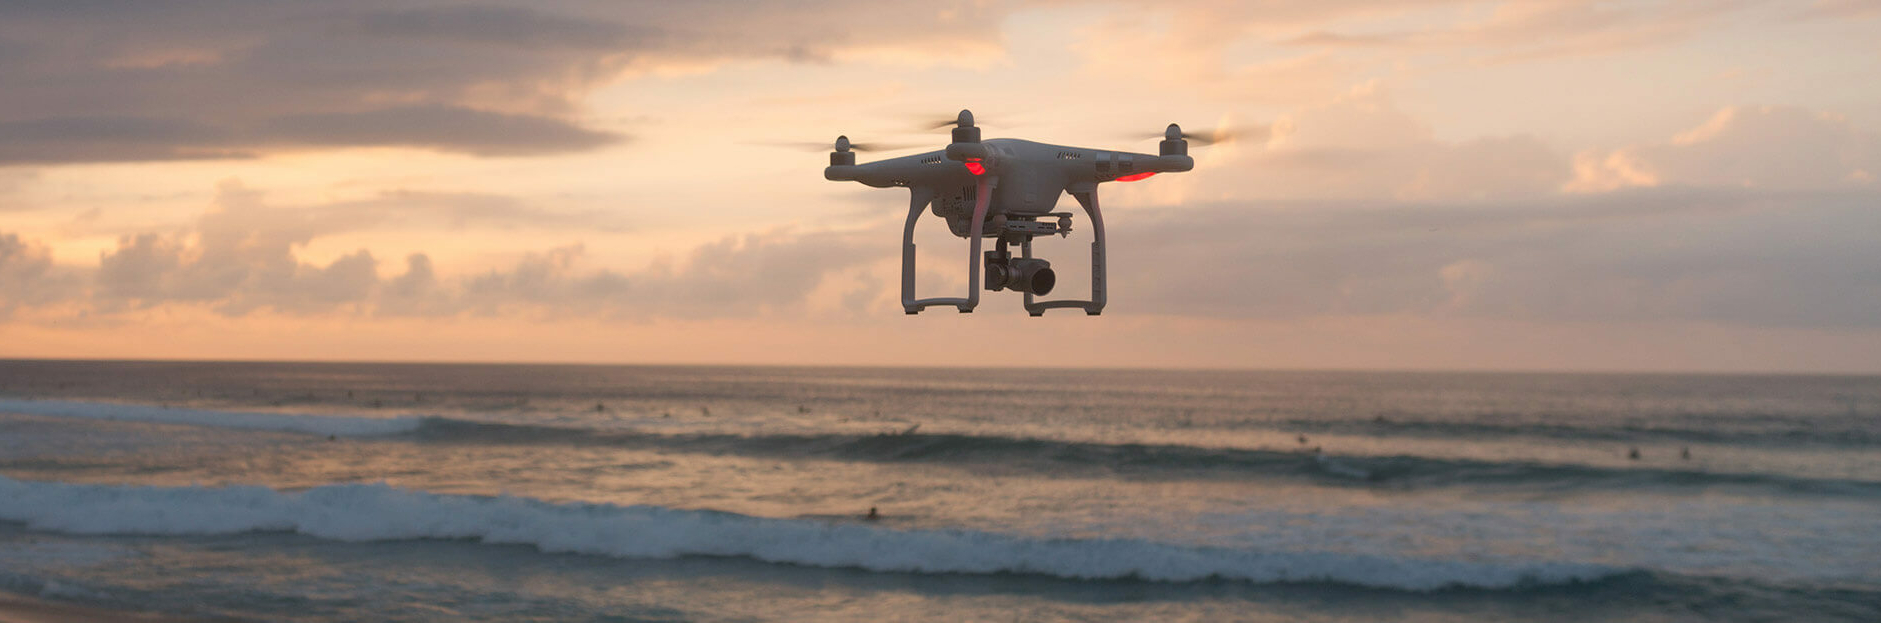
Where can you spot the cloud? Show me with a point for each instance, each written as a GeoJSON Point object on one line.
{"type": "Point", "coordinates": [1533, 30]}
{"type": "Point", "coordinates": [11, 181]}
{"type": "Point", "coordinates": [519, 27]}
{"type": "Point", "coordinates": [424, 209]}
{"type": "Point", "coordinates": [27, 275]}
{"type": "Point", "coordinates": [238, 258]}
{"type": "Point", "coordinates": [131, 81]}
{"type": "Point", "coordinates": [1840, 9]}
{"type": "Point", "coordinates": [1722, 256]}
{"type": "Point", "coordinates": [51, 140]}
{"type": "Point", "coordinates": [1752, 147]}
{"type": "Point", "coordinates": [243, 256]}
{"type": "Point", "coordinates": [1730, 256]}
{"type": "Point", "coordinates": [735, 276]}
{"type": "Point", "coordinates": [1361, 146]}
{"type": "Point", "coordinates": [444, 128]}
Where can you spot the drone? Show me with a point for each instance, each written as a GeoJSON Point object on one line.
{"type": "Point", "coordinates": [1005, 189]}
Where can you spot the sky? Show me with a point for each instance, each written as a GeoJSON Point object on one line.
{"type": "Point", "coordinates": [1568, 185]}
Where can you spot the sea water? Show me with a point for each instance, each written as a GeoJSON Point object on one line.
{"type": "Point", "coordinates": [344, 492]}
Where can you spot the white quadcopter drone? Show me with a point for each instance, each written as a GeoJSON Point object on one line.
{"type": "Point", "coordinates": [1005, 189]}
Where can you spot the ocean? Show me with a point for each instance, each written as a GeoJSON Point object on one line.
{"type": "Point", "coordinates": [420, 492]}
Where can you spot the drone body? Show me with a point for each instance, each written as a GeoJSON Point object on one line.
{"type": "Point", "coordinates": [1006, 189]}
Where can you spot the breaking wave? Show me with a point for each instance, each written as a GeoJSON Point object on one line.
{"type": "Point", "coordinates": [377, 512]}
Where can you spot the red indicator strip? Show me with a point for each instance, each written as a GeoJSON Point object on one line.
{"type": "Point", "coordinates": [974, 166]}
{"type": "Point", "coordinates": [1135, 177]}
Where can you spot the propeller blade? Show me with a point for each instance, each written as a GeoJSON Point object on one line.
{"type": "Point", "coordinates": [1217, 135]}
{"type": "Point", "coordinates": [795, 145]}
{"type": "Point", "coordinates": [882, 146]}
{"type": "Point", "coordinates": [937, 122]}
{"type": "Point", "coordinates": [828, 146]}
{"type": "Point", "coordinates": [1227, 135]}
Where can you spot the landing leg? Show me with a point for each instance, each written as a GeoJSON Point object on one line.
{"type": "Point", "coordinates": [1095, 305]}
{"type": "Point", "coordinates": [918, 200]}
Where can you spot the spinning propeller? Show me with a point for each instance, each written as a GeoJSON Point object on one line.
{"type": "Point", "coordinates": [844, 144]}
{"type": "Point", "coordinates": [1223, 134]}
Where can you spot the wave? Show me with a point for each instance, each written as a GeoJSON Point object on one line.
{"type": "Point", "coordinates": [1778, 431]}
{"type": "Point", "coordinates": [1140, 459]}
{"type": "Point", "coordinates": [345, 426]}
{"type": "Point", "coordinates": [377, 512]}
{"type": "Point", "coordinates": [1166, 460]}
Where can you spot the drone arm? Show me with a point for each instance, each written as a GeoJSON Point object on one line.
{"type": "Point", "coordinates": [1169, 164]}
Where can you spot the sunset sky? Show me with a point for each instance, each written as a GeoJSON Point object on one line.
{"type": "Point", "coordinates": [1428, 184]}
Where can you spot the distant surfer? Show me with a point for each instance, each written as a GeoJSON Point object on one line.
{"type": "Point", "coordinates": [872, 516]}
{"type": "Point", "coordinates": [1685, 453]}
{"type": "Point", "coordinates": [1633, 453]}
{"type": "Point", "coordinates": [1301, 439]}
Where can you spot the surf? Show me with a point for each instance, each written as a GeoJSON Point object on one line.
{"type": "Point", "coordinates": [378, 512]}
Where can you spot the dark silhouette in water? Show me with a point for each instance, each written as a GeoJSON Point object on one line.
{"type": "Point", "coordinates": [1685, 453]}
{"type": "Point", "coordinates": [1301, 439]}
{"type": "Point", "coordinates": [1633, 453]}
{"type": "Point", "coordinates": [872, 516]}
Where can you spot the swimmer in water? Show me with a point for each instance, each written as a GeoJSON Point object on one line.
{"type": "Point", "coordinates": [872, 516]}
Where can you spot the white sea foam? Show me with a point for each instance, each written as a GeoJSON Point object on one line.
{"type": "Point", "coordinates": [359, 512]}
{"type": "Point", "coordinates": [350, 426]}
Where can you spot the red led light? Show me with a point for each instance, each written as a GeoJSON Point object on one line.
{"type": "Point", "coordinates": [1138, 176]}
{"type": "Point", "coordinates": [974, 166]}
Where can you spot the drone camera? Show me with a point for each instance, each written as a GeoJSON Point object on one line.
{"type": "Point", "coordinates": [1025, 274]}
